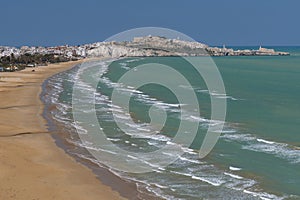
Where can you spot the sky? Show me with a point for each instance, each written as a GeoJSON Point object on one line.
{"type": "Point", "coordinates": [213, 22]}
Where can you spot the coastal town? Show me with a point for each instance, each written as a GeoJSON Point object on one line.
{"type": "Point", "coordinates": [14, 59]}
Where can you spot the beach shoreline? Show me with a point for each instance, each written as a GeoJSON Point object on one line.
{"type": "Point", "coordinates": [64, 139]}
{"type": "Point", "coordinates": [32, 166]}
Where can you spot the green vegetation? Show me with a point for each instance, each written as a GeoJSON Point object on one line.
{"type": "Point", "coordinates": [13, 63]}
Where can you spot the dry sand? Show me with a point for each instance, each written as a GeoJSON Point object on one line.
{"type": "Point", "coordinates": [31, 165]}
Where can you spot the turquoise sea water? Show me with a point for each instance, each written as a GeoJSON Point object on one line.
{"type": "Point", "coordinates": [257, 155]}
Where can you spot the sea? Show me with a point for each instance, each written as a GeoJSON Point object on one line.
{"type": "Point", "coordinates": [257, 155]}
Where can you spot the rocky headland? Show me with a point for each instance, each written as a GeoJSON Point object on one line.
{"type": "Point", "coordinates": [160, 46]}
{"type": "Point", "coordinates": [13, 58]}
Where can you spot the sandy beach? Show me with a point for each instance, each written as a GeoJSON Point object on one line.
{"type": "Point", "coordinates": [31, 165]}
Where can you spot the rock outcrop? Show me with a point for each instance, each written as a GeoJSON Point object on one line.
{"type": "Point", "coordinates": [215, 51]}
{"type": "Point", "coordinates": [160, 46]}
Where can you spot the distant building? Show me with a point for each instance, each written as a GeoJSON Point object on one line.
{"type": "Point", "coordinates": [265, 50]}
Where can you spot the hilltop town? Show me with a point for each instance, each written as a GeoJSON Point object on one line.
{"type": "Point", "coordinates": [12, 58]}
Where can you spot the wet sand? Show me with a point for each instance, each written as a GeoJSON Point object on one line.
{"type": "Point", "coordinates": [31, 165]}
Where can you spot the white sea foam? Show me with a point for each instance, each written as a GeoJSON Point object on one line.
{"type": "Point", "coordinates": [181, 173]}
{"type": "Point", "coordinates": [203, 91]}
{"type": "Point", "coordinates": [188, 87]}
{"type": "Point", "coordinates": [234, 168]}
{"type": "Point", "coordinates": [265, 141]}
{"type": "Point", "coordinates": [134, 60]}
{"type": "Point", "coordinates": [225, 131]}
{"type": "Point", "coordinates": [89, 146]}
{"type": "Point", "coordinates": [157, 192]}
{"type": "Point", "coordinates": [189, 151]}
{"type": "Point", "coordinates": [80, 130]}
{"type": "Point", "coordinates": [217, 95]}
{"type": "Point", "coordinates": [252, 143]}
{"type": "Point", "coordinates": [238, 137]}
{"type": "Point", "coordinates": [132, 157]}
{"type": "Point", "coordinates": [249, 192]}
{"type": "Point", "coordinates": [233, 175]}
{"type": "Point", "coordinates": [141, 96]}
{"type": "Point", "coordinates": [262, 195]}
{"type": "Point", "coordinates": [115, 110]}
{"type": "Point", "coordinates": [122, 116]}
{"type": "Point", "coordinates": [143, 129]}
{"type": "Point", "coordinates": [214, 93]}
{"type": "Point", "coordinates": [124, 66]}
{"type": "Point", "coordinates": [277, 149]}
{"type": "Point", "coordinates": [130, 91]}
{"type": "Point", "coordinates": [265, 198]}
{"type": "Point", "coordinates": [206, 180]}
{"type": "Point", "coordinates": [189, 160]}
{"type": "Point", "coordinates": [227, 97]}
{"type": "Point", "coordinates": [161, 186]}
{"type": "Point", "coordinates": [210, 180]}
{"type": "Point", "coordinates": [197, 119]}
{"type": "Point", "coordinates": [114, 139]}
